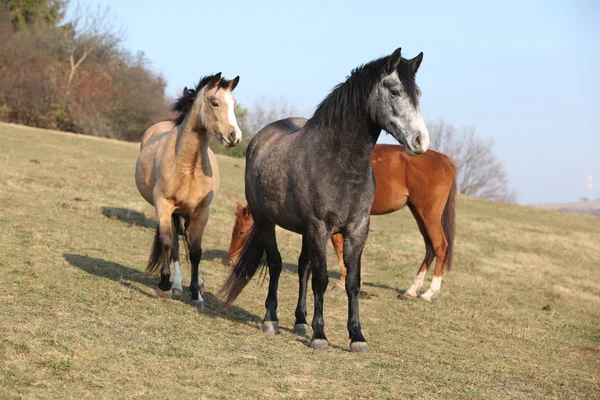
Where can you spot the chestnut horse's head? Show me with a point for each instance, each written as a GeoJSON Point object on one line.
{"type": "Point", "coordinates": [243, 224]}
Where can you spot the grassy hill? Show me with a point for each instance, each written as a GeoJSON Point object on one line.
{"type": "Point", "coordinates": [79, 319]}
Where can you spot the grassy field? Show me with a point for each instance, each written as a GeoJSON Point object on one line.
{"type": "Point", "coordinates": [78, 318]}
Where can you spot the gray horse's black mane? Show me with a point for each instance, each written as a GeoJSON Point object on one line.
{"type": "Point", "coordinates": [348, 100]}
{"type": "Point", "coordinates": [184, 104]}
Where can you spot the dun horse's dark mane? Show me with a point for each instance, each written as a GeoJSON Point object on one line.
{"type": "Point", "coordinates": [184, 104]}
{"type": "Point", "coordinates": [348, 100]}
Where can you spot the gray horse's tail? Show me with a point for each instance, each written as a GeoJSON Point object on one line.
{"type": "Point", "coordinates": [250, 261]}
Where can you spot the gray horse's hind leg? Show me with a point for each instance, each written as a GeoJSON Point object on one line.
{"type": "Point", "coordinates": [317, 254]}
{"type": "Point", "coordinates": [301, 326]}
{"type": "Point", "coordinates": [267, 237]}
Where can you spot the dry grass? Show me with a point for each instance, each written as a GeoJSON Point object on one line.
{"type": "Point", "coordinates": [78, 318]}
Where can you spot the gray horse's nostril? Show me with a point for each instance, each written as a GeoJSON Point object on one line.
{"type": "Point", "coordinates": [418, 142]}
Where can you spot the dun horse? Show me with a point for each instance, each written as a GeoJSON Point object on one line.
{"type": "Point", "coordinates": [315, 179]}
{"type": "Point", "coordinates": [178, 174]}
{"type": "Point", "coordinates": [427, 184]}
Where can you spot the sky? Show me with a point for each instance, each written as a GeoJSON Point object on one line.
{"type": "Point", "coordinates": [525, 73]}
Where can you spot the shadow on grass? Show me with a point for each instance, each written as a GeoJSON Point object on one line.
{"type": "Point", "coordinates": [130, 217]}
{"type": "Point", "coordinates": [125, 275]}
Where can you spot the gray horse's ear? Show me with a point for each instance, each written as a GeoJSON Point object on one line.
{"type": "Point", "coordinates": [416, 62]}
{"type": "Point", "coordinates": [394, 60]}
{"type": "Point", "coordinates": [214, 81]}
{"type": "Point", "coordinates": [233, 83]}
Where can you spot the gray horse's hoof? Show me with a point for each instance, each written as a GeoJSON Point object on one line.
{"type": "Point", "coordinates": [340, 288]}
{"type": "Point", "coordinates": [177, 292]}
{"type": "Point", "coordinates": [359, 347]}
{"type": "Point", "coordinates": [165, 294]}
{"type": "Point", "coordinates": [319, 344]}
{"type": "Point", "coordinates": [198, 304]}
{"type": "Point", "coordinates": [270, 327]}
{"type": "Point", "coordinates": [301, 329]}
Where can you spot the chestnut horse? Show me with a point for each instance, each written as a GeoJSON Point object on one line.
{"type": "Point", "coordinates": [427, 184]}
{"type": "Point", "coordinates": [178, 174]}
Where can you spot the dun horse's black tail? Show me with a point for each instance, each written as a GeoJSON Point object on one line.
{"type": "Point", "coordinates": [158, 255]}
{"type": "Point", "coordinates": [251, 260]}
{"type": "Point", "coordinates": [448, 222]}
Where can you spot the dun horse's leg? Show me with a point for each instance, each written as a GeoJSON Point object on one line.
{"type": "Point", "coordinates": [337, 241]}
{"type": "Point", "coordinates": [317, 254]}
{"type": "Point", "coordinates": [177, 284]}
{"type": "Point", "coordinates": [413, 290]}
{"type": "Point", "coordinates": [194, 237]}
{"type": "Point", "coordinates": [354, 243]}
{"type": "Point", "coordinates": [164, 210]}
{"type": "Point", "coordinates": [267, 237]}
{"type": "Point", "coordinates": [440, 244]}
{"type": "Point", "coordinates": [301, 325]}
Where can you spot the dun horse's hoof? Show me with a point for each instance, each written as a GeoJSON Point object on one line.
{"type": "Point", "coordinates": [270, 327]}
{"type": "Point", "coordinates": [359, 347]}
{"type": "Point", "coordinates": [319, 344]}
{"type": "Point", "coordinates": [340, 288]}
{"type": "Point", "coordinates": [166, 294]}
{"type": "Point", "coordinates": [301, 329]}
{"type": "Point", "coordinates": [177, 292]}
{"type": "Point", "coordinates": [198, 304]}
{"type": "Point", "coordinates": [427, 297]}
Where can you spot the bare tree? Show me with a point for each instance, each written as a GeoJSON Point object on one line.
{"type": "Point", "coordinates": [479, 172]}
{"type": "Point", "coordinates": [90, 29]}
{"type": "Point", "coordinates": [264, 111]}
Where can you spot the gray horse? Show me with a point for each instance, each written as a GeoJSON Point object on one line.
{"type": "Point", "coordinates": [315, 179]}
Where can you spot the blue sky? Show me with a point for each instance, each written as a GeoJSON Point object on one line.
{"type": "Point", "coordinates": [525, 73]}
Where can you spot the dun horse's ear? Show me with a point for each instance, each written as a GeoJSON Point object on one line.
{"type": "Point", "coordinates": [214, 81]}
{"type": "Point", "coordinates": [185, 91]}
{"type": "Point", "coordinates": [233, 83]}
{"type": "Point", "coordinates": [416, 62]}
{"type": "Point", "coordinates": [394, 60]}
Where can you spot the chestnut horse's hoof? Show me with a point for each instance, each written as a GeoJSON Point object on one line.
{"type": "Point", "coordinates": [198, 304]}
{"type": "Point", "coordinates": [319, 344]}
{"type": "Point", "coordinates": [360, 347]}
{"type": "Point", "coordinates": [270, 327]}
{"type": "Point", "coordinates": [340, 288]}
{"type": "Point", "coordinates": [177, 292]}
{"type": "Point", "coordinates": [301, 329]}
{"type": "Point", "coordinates": [166, 294]}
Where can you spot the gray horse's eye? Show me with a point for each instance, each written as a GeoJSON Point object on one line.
{"type": "Point", "coordinates": [395, 92]}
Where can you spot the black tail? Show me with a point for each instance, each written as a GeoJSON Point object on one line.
{"type": "Point", "coordinates": [251, 260]}
{"type": "Point", "coordinates": [158, 256]}
{"type": "Point", "coordinates": [448, 223]}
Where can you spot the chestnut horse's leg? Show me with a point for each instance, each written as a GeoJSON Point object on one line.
{"type": "Point", "coordinates": [164, 211]}
{"type": "Point", "coordinates": [301, 325]}
{"type": "Point", "coordinates": [413, 290]}
{"type": "Point", "coordinates": [194, 239]}
{"type": "Point", "coordinates": [337, 241]}
{"type": "Point", "coordinates": [433, 224]}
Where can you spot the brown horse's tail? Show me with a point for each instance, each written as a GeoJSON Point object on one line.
{"type": "Point", "coordinates": [159, 256]}
{"type": "Point", "coordinates": [448, 222]}
{"type": "Point", "coordinates": [251, 259]}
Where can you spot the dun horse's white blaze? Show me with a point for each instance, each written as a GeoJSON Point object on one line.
{"type": "Point", "coordinates": [436, 284]}
{"type": "Point", "coordinates": [417, 284]}
{"type": "Point", "coordinates": [231, 116]}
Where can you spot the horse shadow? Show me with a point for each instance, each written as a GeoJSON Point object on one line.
{"type": "Point", "coordinates": [126, 275]}
{"type": "Point", "coordinates": [130, 217]}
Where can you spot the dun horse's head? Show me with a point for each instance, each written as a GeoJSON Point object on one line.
{"type": "Point", "coordinates": [243, 224]}
{"type": "Point", "coordinates": [217, 110]}
{"type": "Point", "coordinates": [394, 102]}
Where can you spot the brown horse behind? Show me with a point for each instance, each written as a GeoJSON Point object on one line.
{"type": "Point", "coordinates": [427, 184]}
